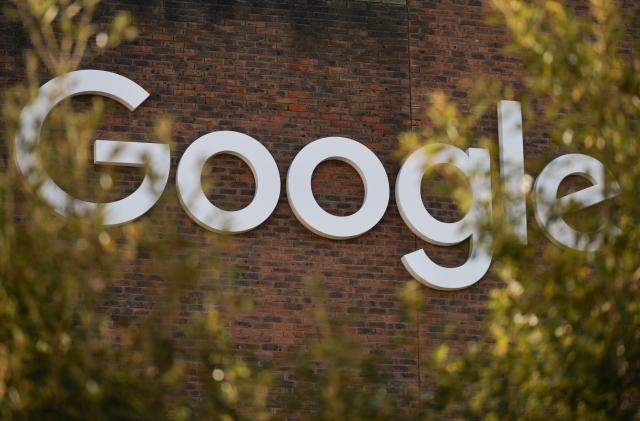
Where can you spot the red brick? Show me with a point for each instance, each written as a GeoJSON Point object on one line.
{"type": "Point", "coordinates": [297, 107]}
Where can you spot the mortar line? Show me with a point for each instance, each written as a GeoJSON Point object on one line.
{"type": "Point", "coordinates": [415, 239]}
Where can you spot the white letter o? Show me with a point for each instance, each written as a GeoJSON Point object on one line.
{"type": "Point", "coordinates": [259, 160]}
{"type": "Point", "coordinates": [368, 166]}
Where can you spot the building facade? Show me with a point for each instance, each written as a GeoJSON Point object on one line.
{"type": "Point", "coordinates": [287, 73]}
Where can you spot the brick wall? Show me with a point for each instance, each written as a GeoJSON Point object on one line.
{"type": "Point", "coordinates": [287, 73]}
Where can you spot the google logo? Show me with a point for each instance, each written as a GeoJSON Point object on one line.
{"type": "Point", "coordinates": [474, 163]}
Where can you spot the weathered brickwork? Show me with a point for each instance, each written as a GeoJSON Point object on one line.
{"type": "Point", "coordinates": [287, 73]}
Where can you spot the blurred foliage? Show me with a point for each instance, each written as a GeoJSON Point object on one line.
{"type": "Point", "coordinates": [563, 333]}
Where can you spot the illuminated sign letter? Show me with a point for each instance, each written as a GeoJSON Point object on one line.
{"type": "Point", "coordinates": [255, 155]}
{"type": "Point", "coordinates": [475, 165]}
{"type": "Point", "coordinates": [549, 207]}
{"type": "Point", "coordinates": [368, 166]}
{"type": "Point", "coordinates": [512, 166]}
{"type": "Point", "coordinates": [129, 94]}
